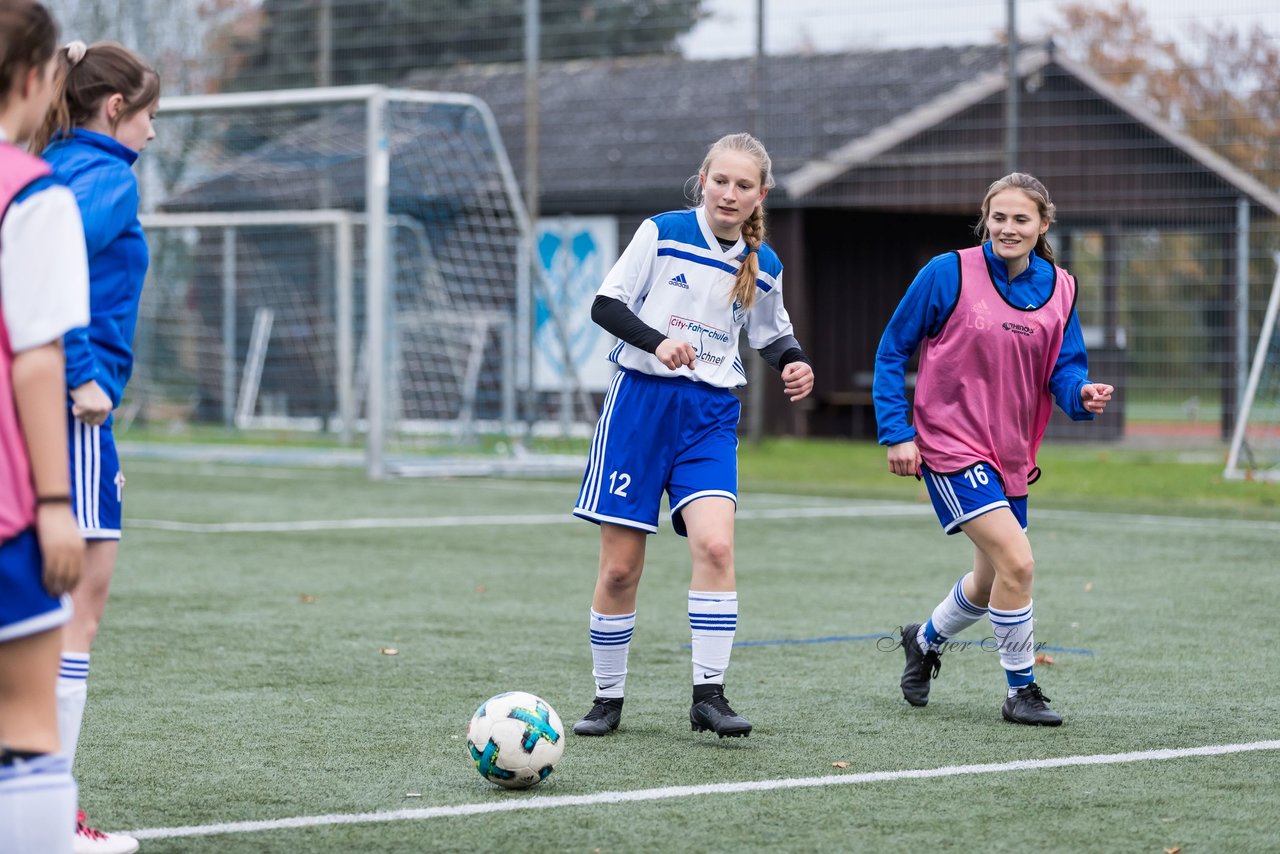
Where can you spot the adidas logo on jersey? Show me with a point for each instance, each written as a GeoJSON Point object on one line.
{"type": "Point", "coordinates": [679, 282]}
{"type": "Point", "coordinates": [980, 307]}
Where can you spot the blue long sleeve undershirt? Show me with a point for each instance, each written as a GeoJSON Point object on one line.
{"type": "Point", "coordinates": [925, 308]}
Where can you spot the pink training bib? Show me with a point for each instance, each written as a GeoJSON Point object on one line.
{"type": "Point", "coordinates": [983, 388]}
{"type": "Point", "coordinates": [17, 494]}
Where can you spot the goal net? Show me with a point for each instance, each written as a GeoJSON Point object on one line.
{"type": "Point", "coordinates": [1255, 442]}
{"type": "Point", "coordinates": [350, 262]}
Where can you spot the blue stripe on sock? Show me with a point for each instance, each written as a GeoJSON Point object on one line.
{"type": "Point", "coordinates": [965, 605]}
{"type": "Point", "coordinates": [931, 635]}
{"type": "Point", "coordinates": [610, 639]}
{"type": "Point", "coordinates": [1019, 678]}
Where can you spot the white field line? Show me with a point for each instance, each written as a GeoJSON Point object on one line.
{"type": "Point", "coordinates": [809, 512]}
{"type": "Point", "coordinates": [669, 792]}
{"type": "Point", "coordinates": [475, 521]}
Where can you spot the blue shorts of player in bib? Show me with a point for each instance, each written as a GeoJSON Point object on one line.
{"type": "Point", "coordinates": [968, 493]}
{"type": "Point", "coordinates": [97, 484]}
{"type": "Point", "coordinates": [26, 608]}
{"type": "Point", "coordinates": [655, 434]}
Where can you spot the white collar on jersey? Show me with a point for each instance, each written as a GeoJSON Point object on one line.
{"type": "Point", "coordinates": [710, 236]}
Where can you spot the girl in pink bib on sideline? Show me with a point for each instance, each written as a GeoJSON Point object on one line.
{"type": "Point", "coordinates": [999, 343]}
{"type": "Point", "coordinates": [44, 293]}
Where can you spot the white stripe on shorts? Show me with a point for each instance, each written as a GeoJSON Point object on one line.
{"type": "Point", "coordinates": [95, 450]}
{"type": "Point", "coordinates": [589, 499]}
{"type": "Point", "coordinates": [948, 494]}
{"type": "Point", "coordinates": [973, 514]}
{"type": "Point", "coordinates": [77, 433]}
{"type": "Point", "coordinates": [87, 472]}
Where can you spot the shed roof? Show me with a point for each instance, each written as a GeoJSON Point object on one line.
{"type": "Point", "coordinates": [640, 125]}
{"type": "Point", "coordinates": [624, 134]}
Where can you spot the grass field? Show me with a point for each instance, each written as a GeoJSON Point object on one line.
{"type": "Point", "coordinates": [241, 675]}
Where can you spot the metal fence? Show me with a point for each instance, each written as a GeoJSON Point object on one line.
{"type": "Point", "coordinates": [1156, 125]}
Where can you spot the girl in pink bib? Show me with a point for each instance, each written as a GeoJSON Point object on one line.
{"type": "Point", "coordinates": [44, 293]}
{"type": "Point", "coordinates": [999, 341]}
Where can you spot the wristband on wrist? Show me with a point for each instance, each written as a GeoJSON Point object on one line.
{"type": "Point", "coordinates": [52, 499]}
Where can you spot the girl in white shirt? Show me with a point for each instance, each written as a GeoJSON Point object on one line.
{"type": "Point", "coordinates": [44, 292]}
{"type": "Point", "coordinates": [678, 298]}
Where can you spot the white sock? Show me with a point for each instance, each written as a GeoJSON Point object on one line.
{"type": "Point", "coordinates": [1016, 639]}
{"type": "Point", "coordinates": [73, 689]}
{"type": "Point", "coordinates": [713, 619]}
{"type": "Point", "coordinates": [953, 615]}
{"type": "Point", "coordinates": [610, 643]}
{"type": "Point", "coordinates": [37, 805]}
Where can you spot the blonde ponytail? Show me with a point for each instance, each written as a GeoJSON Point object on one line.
{"type": "Point", "coordinates": [744, 285]}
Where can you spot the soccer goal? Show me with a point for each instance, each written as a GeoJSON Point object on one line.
{"type": "Point", "coordinates": [1255, 442]}
{"type": "Point", "coordinates": [352, 263]}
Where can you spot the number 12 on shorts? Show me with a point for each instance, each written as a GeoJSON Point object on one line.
{"type": "Point", "coordinates": [976, 476]}
{"type": "Point", "coordinates": [618, 483]}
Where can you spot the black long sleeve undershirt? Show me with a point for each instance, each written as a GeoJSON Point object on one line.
{"type": "Point", "coordinates": [613, 316]}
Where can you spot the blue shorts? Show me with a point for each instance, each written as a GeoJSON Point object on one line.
{"type": "Point", "coordinates": [968, 493]}
{"type": "Point", "coordinates": [97, 484]}
{"type": "Point", "coordinates": [655, 434]}
{"type": "Point", "coordinates": [26, 608]}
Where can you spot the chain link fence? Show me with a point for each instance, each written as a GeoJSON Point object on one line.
{"type": "Point", "coordinates": [1156, 126]}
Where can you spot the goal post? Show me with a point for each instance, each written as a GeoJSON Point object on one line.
{"type": "Point", "coordinates": [1255, 441]}
{"type": "Point", "coordinates": [379, 237]}
{"type": "Point", "coordinates": [159, 227]}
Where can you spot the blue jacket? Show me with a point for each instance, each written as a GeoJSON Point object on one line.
{"type": "Point", "coordinates": [925, 308]}
{"type": "Point", "coordinates": [98, 169]}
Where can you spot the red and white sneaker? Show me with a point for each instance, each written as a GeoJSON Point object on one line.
{"type": "Point", "coordinates": [90, 840]}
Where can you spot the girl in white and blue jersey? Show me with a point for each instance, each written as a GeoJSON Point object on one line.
{"type": "Point", "coordinates": [685, 288]}
{"type": "Point", "coordinates": [44, 291]}
{"type": "Point", "coordinates": [100, 120]}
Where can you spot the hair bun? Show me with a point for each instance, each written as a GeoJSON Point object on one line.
{"type": "Point", "coordinates": [75, 52]}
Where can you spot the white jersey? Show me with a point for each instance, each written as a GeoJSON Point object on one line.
{"type": "Point", "coordinates": [677, 279]}
{"type": "Point", "coordinates": [47, 273]}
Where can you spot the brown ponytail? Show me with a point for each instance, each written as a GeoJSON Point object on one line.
{"type": "Point", "coordinates": [1035, 191]}
{"type": "Point", "coordinates": [744, 285]}
{"type": "Point", "coordinates": [86, 77]}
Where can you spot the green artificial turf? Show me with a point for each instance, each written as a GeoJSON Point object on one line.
{"type": "Point", "coordinates": [244, 676]}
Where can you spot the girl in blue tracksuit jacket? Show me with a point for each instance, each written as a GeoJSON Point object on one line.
{"type": "Point", "coordinates": [100, 121]}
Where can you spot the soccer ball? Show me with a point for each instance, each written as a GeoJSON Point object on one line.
{"type": "Point", "coordinates": [515, 739]}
